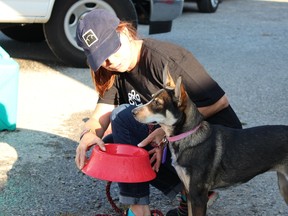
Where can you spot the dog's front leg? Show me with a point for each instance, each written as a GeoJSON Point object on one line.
{"type": "Point", "coordinates": [189, 205]}
{"type": "Point", "coordinates": [198, 210]}
{"type": "Point", "coordinates": [198, 203]}
{"type": "Point", "coordinates": [193, 210]}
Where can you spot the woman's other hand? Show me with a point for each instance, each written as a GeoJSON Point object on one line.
{"type": "Point", "coordinates": [156, 157]}
{"type": "Point", "coordinates": [155, 139]}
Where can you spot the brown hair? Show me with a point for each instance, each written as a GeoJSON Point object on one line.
{"type": "Point", "coordinates": [102, 78]}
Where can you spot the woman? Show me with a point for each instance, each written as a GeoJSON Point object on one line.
{"type": "Point", "coordinates": [126, 71]}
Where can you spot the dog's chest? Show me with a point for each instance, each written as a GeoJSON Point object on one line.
{"type": "Point", "coordinates": [181, 171]}
{"type": "Point", "coordinates": [173, 156]}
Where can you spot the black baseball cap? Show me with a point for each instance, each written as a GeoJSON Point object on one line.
{"type": "Point", "coordinates": [96, 34]}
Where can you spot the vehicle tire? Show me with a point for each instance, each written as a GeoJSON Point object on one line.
{"type": "Point", "coordinates": [60, 31]}
{"type": "Point", "coordinates": [143, 11]}
{"type": "Point", "coordinates": [26, 33]}
{"type": "Point", "coordinates": [207, 6]}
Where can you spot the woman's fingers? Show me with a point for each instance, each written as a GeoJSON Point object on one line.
{"type": "Point", "coordinates": [156, 158]}
{"type": "Point", "coordinates": [80, 157]}
{"type": "Point", "coordinates": [146, 141]}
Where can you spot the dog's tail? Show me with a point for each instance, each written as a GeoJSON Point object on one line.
{"type": "Point", "coordinates": [283, 184]}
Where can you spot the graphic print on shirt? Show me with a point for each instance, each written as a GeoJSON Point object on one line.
{"type": "Point", "coordinates": [134, 98]}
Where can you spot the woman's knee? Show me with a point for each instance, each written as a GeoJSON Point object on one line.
{"type": "Point", "coordinates": [124, 110]}
{"type": "Point", "coordinates": [126, 129]}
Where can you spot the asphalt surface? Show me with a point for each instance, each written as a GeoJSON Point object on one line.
{"type": "Point", "coordinates": [243, 46]}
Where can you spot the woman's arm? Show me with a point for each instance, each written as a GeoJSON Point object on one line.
{"type": "Point", "coordinates": [94, 130]}
{"type": "Point", "coordinates": [208, 111]}
{"type": "Point", "coordinates": [100, 119]}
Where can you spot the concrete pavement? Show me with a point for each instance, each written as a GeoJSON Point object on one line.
{"type": "Point", "coordinates": [243, 46]}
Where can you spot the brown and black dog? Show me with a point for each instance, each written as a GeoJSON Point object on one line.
{"type": "Point", "coordinates": [208, 156]}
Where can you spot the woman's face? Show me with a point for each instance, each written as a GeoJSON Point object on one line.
{"type": "Point", "coordinates": [122, 59]}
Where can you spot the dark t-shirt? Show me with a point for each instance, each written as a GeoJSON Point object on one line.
{"type": "Point", "coordinates": [137, 86]}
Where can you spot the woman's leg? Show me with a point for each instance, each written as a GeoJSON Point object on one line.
{"type": "Point", "coordinates": [167, 180]}
{"type": "Point", "coordinates": [126, 130]}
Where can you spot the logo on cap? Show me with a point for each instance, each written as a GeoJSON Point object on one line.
{"type": "Point", "coordinates": [89, 37]}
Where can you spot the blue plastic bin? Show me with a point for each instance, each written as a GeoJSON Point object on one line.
{"type": "Point", "coordinates": [9, 76]}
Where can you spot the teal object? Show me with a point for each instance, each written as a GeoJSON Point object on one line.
{"type": "Point", "coordinates": [9, 76]}
{"type": "Point", "coordinates": [130, 213]}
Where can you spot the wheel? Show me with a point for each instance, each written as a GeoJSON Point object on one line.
{"type": "Point", "coordinates": [143, 11]}
{"type": "Point", "coordinates": [207, 6]}
{"type": "Point", "coordinates": [26, 33]}
{"type": "Point", "coordinates": [60, 31]}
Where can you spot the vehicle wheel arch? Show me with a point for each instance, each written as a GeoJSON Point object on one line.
{"type": "Point", "coordinates": [60, 30]}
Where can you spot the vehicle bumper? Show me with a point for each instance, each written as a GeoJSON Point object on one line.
{"type": "Point", "coordinates": [163, 12]}
{"type": "Point", "coordinates": [166, 10]}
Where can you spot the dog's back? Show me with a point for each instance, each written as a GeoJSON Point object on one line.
{"type": "Point", "coordinates": [246, 153]}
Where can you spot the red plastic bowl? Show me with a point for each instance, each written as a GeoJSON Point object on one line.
{"type": "Point", "coordinates": [120, 163]}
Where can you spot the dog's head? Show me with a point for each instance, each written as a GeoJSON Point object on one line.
{"type": "Point", "coordinates": [167, 107]}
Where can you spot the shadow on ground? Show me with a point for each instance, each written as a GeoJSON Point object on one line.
{"type": "Point", "coordinates": [42, 178]}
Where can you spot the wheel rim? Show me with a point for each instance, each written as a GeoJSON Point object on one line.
{"type": "Point", "coordinates": [77, 11]}
{"type": "Point", "coordinates": [214, 3]}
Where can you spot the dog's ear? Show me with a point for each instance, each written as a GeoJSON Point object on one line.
{"type": "Point", "coordinates": [167, 79]}
{"type": "Point", "coordinates": [180, 91]}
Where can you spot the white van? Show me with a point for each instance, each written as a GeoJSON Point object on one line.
{"type": "Point", "coordinates": [55, 20]}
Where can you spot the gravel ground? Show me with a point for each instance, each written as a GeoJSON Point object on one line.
{"type": "Point", "coordinates": [243, 46]}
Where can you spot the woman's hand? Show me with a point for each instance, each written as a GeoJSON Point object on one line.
{"type": "Point", "coordinates": [156, 158]}
{"type": "Point", "coordinates": [155, 138]}
{"type": "Point", "coordinates": [86, 142]}
{"type": "Point", "coordinates": [98, 123]}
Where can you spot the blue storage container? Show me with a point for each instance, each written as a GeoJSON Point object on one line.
{"type": "Point", "coordinates": [9, 76]}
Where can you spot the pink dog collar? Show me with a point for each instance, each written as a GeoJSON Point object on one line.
{"type": "Point", "coordinates": [183, 135]}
